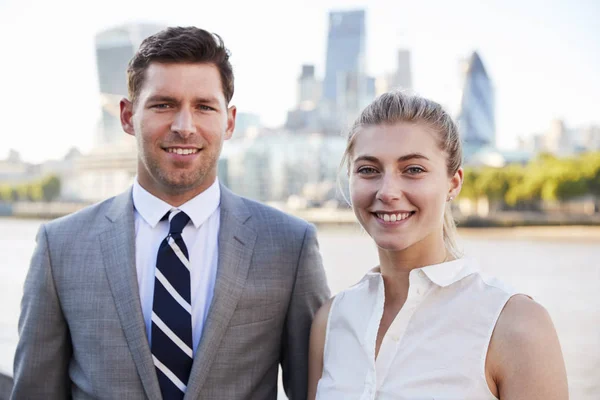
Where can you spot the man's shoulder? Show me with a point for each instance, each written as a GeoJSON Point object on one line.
{"type": "Point", "coordinates": [270, 213]}
{"type": "Point", "coordinates": [266, 214]}
{"type": "Point", "coordinates": [84, 219]}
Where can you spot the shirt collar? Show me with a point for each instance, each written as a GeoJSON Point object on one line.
{"type": "Point", "coordinates": [443, 274]}
{"type": "Point", "coordinates": [199, 208]}
{"type": "Point", "coordinates": [449, 272]}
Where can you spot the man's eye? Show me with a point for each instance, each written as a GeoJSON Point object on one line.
{"type": "Point", "coordinates": [161, 106]}
{"type": "Point", "coordinates": [206, 108]}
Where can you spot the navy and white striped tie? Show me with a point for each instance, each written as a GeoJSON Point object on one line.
{"type": "Point", "coordinates": [172, 311]}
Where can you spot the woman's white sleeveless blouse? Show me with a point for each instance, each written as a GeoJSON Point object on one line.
{"type": "Point", "coordinates": [435, 348]}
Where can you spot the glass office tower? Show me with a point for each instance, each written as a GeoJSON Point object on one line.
{"type": "Point", "coordinates": [476, 117]}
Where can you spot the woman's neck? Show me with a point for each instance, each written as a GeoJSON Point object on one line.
{"type": "Point", "coordinates": [395, 266]}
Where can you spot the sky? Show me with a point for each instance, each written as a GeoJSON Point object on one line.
{"type": "Point", "coordinates": [543, 57]}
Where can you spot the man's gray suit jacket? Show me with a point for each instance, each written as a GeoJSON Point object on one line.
{"type": "Point", "coordinates": [81, 329]}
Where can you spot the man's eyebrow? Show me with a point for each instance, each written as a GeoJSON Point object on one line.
{"type": "Point", "coordinates": [209, 99]}
{"type": "Point", "coordinates": [161, 98]}
{"type": "Point", "coordinates": [169, 99]}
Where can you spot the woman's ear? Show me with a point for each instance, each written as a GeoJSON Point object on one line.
{"type": "Point", "coordinates": [455, 184]}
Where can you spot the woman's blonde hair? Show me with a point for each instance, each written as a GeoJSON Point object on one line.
{"type": "Point", "coordinates": [396, 106]}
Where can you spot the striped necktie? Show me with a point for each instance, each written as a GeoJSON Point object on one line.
{"type": "Point", "coordinates": [172, 311]}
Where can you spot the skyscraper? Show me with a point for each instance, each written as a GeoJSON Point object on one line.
{"type": "Point", "coordinates": [403, 76]}
{"type": "Point", "coordinates": [114, 48]}
{"type": "Point", "coordinates": [400, 79]}
{"type": "Point", "coordinates": [345, 87]}
{"type": "Point", "coordinates": [557, 139]}
{"type": "Point", "coordinates": [306, 116]}
{"type": "Point", "coordinates": [309, 88]}
{"type": "Point", "coordinates": [476, 117]}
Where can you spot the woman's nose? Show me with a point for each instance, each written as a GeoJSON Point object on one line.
{"type": "Point", "coordinates": [390, 189]}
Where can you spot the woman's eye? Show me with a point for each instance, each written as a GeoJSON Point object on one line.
{"type": "Point", "coordinates": [366, 170]}
{"type": "Point", "coordinates": [415, 170]}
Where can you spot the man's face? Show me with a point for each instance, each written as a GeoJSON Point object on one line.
{"type": "Point", "coordinates": [180, 120]}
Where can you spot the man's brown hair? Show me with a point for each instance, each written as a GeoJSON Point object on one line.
{"type": "Point", "coordinates": [180, 45]}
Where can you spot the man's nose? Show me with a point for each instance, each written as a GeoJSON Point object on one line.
{"type": "Point", "coordinates": [183, 124]}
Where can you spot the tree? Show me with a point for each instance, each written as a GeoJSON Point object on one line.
{"type": "Point", "coordinates": [6, 193]}
{"type": "Point", "coordinates": [34, 191]}
{"type": "Point", "coordinates": [51, 188]}
{"type": "Point", "coordinates": [469, 188]}
{"type": "Point", "coordinates": [546, 177]}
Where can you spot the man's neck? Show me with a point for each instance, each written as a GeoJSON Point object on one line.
{"type": "Point", "coordinates": [176, 198]}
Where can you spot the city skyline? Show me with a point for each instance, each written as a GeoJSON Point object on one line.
{"type": "Point", "coordinates": [542, 58]}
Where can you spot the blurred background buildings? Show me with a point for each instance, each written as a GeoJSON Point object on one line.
{"type": "Point", "coordinates": [297, 163]}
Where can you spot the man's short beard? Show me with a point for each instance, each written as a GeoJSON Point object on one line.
{"type": "Point", "coordinates": [189, 180]}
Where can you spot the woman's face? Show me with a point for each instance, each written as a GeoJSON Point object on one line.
{"type": "Point", "coordinates": [399, 184]}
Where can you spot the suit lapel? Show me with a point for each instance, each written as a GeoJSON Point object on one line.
{"type": "Point", "coordinates": [236, 244]}
{"type": "Point", "coordinates": [118, 252]}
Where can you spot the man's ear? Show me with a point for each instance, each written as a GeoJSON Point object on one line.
{"type": "Point", "coordinates": [126, 107]}
{"type": "Point", "coordinates": [231, 113]}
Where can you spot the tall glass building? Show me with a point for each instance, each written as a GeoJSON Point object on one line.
{"type": "Point", "coordinates": [114, 48]}
{"type": "Point", "coordinates": [345, 87]}
{"type": "Point", "coordinates": [345, 49]}
{"type": "Point", "coordinates": [476, 117]}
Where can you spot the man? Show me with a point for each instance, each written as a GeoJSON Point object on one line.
{"type": "Point", "coordinates": [177, 287]}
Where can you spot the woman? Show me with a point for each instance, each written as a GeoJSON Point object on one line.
{"type": "Point", "coordinates": [425, 323]}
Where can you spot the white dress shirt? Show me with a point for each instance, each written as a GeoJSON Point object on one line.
{"type": "Point", "coordinates": [435, 348]}
{"type": "Point", "coordinates": [200, 237]}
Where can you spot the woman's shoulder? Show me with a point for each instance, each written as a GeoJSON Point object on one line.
{"type": "Point", "coordinates": [524, 347]}
{"type": "Point", "coordinates": [522, 323]}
